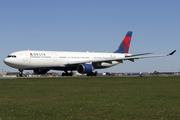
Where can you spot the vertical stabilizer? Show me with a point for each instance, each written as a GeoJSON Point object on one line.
{"type": "Point", "coordinates": [125, 44]}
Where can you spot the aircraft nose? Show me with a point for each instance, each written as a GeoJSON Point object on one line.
{"type": "Point", "coordinates": [10, 62]}
{"type": "Point", "coordinates": [5, 61]}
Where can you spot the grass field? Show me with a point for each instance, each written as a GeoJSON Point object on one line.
{"type": "Point", "coordinates": [88, 98]}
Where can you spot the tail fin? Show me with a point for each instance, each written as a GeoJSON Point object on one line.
{"type": "Point", "coordinates": [124, 46]}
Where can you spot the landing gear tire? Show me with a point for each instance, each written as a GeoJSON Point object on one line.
{"type": "Point", "coordinates": [92, 73]}
{"type": "Point", "coordinates": [95, 73]}
{"type": "Point", "coordinates": [71, 74]}
{"type": "Point", "coordinates": [21, 73]}
{"type": "Point", "coordinates": [67, 74]}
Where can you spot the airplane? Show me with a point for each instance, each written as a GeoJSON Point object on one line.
{"type": "Point", "coordinates": [83, 62]}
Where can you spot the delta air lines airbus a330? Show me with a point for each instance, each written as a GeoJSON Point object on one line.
{"type": "Point", "coordinates": [84, 62]}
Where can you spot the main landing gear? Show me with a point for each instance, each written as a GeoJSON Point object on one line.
{"type": "Point", "coordinates": [92, 73]}
{"type": "Point", "coordinates": [65, 73]}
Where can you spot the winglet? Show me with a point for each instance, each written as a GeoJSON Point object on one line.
{"type": "Point", "coordinates": [172, 52]}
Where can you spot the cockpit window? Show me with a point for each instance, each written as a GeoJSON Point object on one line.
{"type": "Point", "coordinates": [11, 56]}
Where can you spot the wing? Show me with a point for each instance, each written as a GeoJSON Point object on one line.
{"type": "Point", "coordinates": [131, 58]}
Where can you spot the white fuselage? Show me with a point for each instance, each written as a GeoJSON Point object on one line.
{"type": "Point", "coordinates": [83, 62]}
{"type": "Point", "coordinates": [58, 60]}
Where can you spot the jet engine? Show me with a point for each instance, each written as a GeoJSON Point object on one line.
{"type": "Point", "coordinates": [85, 68]}
{"type": "Point", "coordinates": [41, 71]}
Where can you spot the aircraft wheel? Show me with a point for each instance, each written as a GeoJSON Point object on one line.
{"type": "Point", "coordinates": [71, 74]}
{"type": "Point", "coordinates": [95, 73]}
{"type": "Point", "coordinates": [63, 74]}
{"type": "Point", "coordinates": [92, 73]}
{"type": "Point", "coordinates": [21, 73]}
{"type": "Point", "coordinates": [67, 74]}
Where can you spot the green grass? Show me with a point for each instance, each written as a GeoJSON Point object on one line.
{"type": "Point", "coordinates": [90, 98]}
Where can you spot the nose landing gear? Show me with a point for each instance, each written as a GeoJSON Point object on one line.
{"type": "Point", "coordinates": [21, 73]}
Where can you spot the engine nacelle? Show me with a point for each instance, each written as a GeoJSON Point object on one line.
{"type": "Point", "coordinates": [40, 71]}
{"type": "Point", "coordinates": [85, 68]}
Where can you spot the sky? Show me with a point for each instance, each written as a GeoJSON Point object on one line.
{"type": "Point", "coordinates": [95, 26]}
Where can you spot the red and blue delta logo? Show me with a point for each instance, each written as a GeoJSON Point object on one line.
{"type": "Point", "coordinates": [37, 54]}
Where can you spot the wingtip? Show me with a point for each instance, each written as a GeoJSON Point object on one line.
{"type": "Point", "coordinates": [172, 52]}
